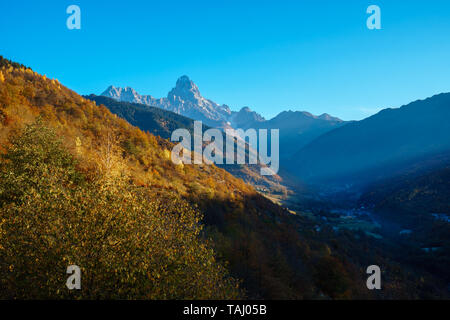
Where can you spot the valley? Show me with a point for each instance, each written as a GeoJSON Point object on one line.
{"type": "Point", "coordinates": [100, 166]}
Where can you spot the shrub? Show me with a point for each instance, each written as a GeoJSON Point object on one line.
{"type": "Point", "coordinates": [127, 242]}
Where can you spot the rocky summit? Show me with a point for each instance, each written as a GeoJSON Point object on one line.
{"type": "Point", "coordinates": [184, 99]}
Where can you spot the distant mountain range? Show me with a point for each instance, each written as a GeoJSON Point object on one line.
{"type": "Point", "coordinates": [297, 128]}
{"type": "Point", "coordinates": [378, 145]}
{"type": "Point", "coordinates": [79, 149]}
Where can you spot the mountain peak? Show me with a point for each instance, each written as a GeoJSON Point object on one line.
{"type": "Point", "coordinates": [186, 89]}
{"type": "Point", "coordinates": [183, 79]}
{"type": "Point", "coordinates": [247, 113]}
{"type": "Point", "coordinates": [112, 92]}
{"type": "Point", "coordinates": [246, 109]}
{"type": "Point", "coordinates": [327, 117]}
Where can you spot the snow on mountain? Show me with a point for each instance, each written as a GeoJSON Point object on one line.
{"type": "Point", "coordinates": [184, 99]}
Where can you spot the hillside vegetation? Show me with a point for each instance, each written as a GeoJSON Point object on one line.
{"type": "Point", "coordinates": [362, 151]}
{"type": "Point", "coordinates": [162, 123]}
{"type": "Point", "coordinates": [80, 185]}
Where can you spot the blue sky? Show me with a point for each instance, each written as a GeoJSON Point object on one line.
{"type": "Point", "coordinates": [312, 55]}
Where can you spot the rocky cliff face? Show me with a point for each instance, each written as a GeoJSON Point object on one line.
{"type": "Point", "coordinates": [184, 99]}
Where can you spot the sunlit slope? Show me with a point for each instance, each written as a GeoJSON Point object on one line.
{"type": "Point", "coordinates": [162, 123]}
{"type": "Point", "coordinates": [128, 172]}
{"type": "Point", "coordinates": [376, 146]}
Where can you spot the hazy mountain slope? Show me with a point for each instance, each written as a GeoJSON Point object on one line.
{"type": "Point", "coordinates": [421, 190]}
{"type": "Point", "coordinates": [390, 136]}
{"type": "Point", "coordinates": [296, 128]}
{"type": "Point", "coordinates": [414, 208]}
{"type": "Point", "coordinates": [152, 119]}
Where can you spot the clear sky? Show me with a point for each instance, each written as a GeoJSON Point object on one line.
{"type": "Point", "coordinates": [312, 55]}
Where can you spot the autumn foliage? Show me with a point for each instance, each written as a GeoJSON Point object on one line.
{"type": "Point", "coordinates": [82, 200]}
{"type": "Point", "coordinates": [79, 185]}
{"type": "Point", "coordinates": [128, 243]}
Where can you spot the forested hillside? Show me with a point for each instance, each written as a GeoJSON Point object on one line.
{"type": "Point", "coordinates": [162, 123]}
{"type": "Point", "coordinates": [157, 121]}
{"type": "Point", "coordinates": [80, 185]}
{"type": "Point", "coordinates": [420, 191]}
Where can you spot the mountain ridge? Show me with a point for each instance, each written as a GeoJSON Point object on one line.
{"type": "Point", "coordinates": [184, 99]}
{"type": "Point", "coordinates": [392, 135]}
{"type": "Point", "coordinates": [297, 128]}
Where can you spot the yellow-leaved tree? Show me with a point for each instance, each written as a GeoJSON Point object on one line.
{"type": "Point", "coordinates": [128, 242]}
